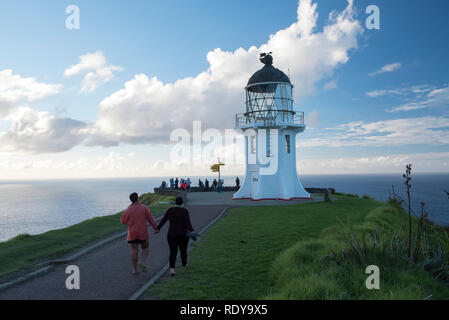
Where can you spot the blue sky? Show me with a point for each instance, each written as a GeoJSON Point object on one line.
{"type": "Point", "coordinates": [358, 116]}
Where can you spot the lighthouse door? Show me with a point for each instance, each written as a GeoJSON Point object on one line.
{"type": "Point", "coordinates": [254, 183]}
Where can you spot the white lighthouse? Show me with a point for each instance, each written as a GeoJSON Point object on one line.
{"type": "Point", "coordinates": [270, 126]}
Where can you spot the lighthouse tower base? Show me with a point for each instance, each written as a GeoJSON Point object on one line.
{"type": "Point", "coordinates": [280, 188]}
{"type": "Point", "coordinates": [283, 182]}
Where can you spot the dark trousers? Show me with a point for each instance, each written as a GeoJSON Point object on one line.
{"type": "Point", "coordinates": [175, 242]}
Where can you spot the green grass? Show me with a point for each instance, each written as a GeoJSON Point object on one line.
{"type": "Point", "coordinates": [280, 253]}
{"type": "Point", "coordinates": [303, 272]}
{"type": "Point", "coordinates": [235, 258]}
{"type": "Point", "coordinates": [24, 251]}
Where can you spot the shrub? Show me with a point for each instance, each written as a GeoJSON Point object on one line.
{"type": "Point", "coordinates": [381, 244]}
{"type": "Point", "coordinates": [333, 267]}
{"type": "Point", "coordinates": [365, 248]}
{"type": "Point", "coordinates": [150, 199]}
{"type": "Point", "coordinates": [395, 200]}
{"type": "Point", "coordinates": [407, 179]}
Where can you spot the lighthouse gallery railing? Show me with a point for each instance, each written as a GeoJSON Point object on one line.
{"type": "Point", "coordinates": [283, 117]}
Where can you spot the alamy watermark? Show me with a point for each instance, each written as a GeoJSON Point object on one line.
{"type": "Point", "coordinates": [262, 147]}
{"type": "Point", "coordinates": [373, 281]}
{"type": "Point", "coordinates": [72, 22]}
{"type": "Point", "coordinates": [373, 20]}
{"type": "Point", "coordinates": [73, 280]}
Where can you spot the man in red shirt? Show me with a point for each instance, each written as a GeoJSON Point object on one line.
{"type": "Point", "coordinates": [136, 217]}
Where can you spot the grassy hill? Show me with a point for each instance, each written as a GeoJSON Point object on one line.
{"type": "Point", "coordinates": [304, 252]}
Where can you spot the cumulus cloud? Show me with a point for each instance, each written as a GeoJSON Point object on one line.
{"type": "Point", "coordinates": [26, 130]}
{"type": "Point", "coordinates": [29, 130]}
{"type": "Point", "coordinates": [40, 132]}
{"type": "Point", "coordinates": [17, 89]}
{"type": "Point", "coordinates": [147, 109]}
{"type": "Point", "coordinates": [387, 68]}
{"type": "Point", "coordinates": [95, 70]}
{"type": "Point", "coordinates": [411, 131]}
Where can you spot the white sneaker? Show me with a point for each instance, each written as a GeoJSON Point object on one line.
{"type": "Point", "coordinates": [172, 271]}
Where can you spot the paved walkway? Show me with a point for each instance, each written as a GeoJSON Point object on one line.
{"type": "Point", "coordinates": [106, 273]}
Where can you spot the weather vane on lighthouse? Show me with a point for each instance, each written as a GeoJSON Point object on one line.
{"type": "Point", "coordinates": [270, 126]}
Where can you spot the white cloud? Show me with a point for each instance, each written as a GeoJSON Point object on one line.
{"type": "Point", "coordinates": [387, 68]}
{"type": "Point", "coordinates": [95, 68]}
{"type": "Point", "coordinates": [386, 92]}
{"type": "Point", "coordinates": [412, 131]}
{"type": "Point", "coordinates": [434, 98]}
{"type": "Point", "coordinates": [114, 161]}
{"type": "Point", "coordinates": [26, 130]}
{"type": "Point", "coordinates": [416, 90]}
{"type": "Point", "coordinates": [49, 164]}
{"type": "Point", "coordinates": [422, 88]}
{"type": "Point", "coordinates": [147, 109]}
{"type": "Point", "coordinates": [330, 85]}
{"type": "Point", "coordinates": [422, 162]}
{"type": "Point", "coordinates": [17, 89]}
{"type": "Point", "coordinates": [65, 166]}
{"type": "Point", "coordinates": [39, 132]}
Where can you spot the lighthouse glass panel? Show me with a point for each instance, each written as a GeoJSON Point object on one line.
{"type": "Point", "coordinates": [269, 103]}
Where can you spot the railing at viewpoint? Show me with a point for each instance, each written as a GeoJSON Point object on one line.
{"type": "Point", "coordinates": [269, 117]}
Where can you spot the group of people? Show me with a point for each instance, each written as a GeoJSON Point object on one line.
{"type": "Point", "coordinates": [207, 186]}
{"type": "Point", "coordinates": [179, 232]}
{"type": "Point", "coordinates": [216, 185]}
{"type": "Point", "coordinates": [176, 184]}
{"type": "Point", "coordinates": [181, 184]}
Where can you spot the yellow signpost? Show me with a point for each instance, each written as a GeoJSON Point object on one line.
{"type": "Point", "coordinates": [216, 168]}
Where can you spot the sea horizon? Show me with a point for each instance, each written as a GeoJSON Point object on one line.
{"type": "Point", "coordinates": [48, 204]}
{"type": "Point", "coordinates": [227, 175]}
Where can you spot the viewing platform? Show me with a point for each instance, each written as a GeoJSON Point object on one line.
{"type": "Point", "coordinates": [269, 118]}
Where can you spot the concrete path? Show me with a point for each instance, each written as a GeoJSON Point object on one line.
{"type": "Point", "coordinates": [106, 273]}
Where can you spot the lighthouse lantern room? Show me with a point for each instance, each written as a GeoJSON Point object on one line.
{"type": "Point", "coordinates": [270, 126]}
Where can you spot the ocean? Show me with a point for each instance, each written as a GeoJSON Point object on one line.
{"type": "Point", "coordinates": [35, 207]}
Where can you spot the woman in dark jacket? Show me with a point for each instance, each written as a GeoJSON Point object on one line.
{"type": "Point", "coordinates": [179, 226]}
